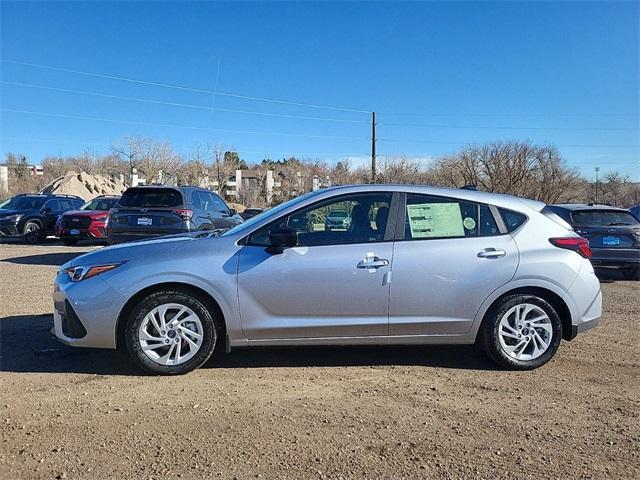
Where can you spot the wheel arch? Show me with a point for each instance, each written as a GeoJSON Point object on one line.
{"type": "Point", "coordinates": [211, 302]}
{"type": "Point", "coordinates": [30, 219]}
{"type": "Point", "coordinates": [550, 296]}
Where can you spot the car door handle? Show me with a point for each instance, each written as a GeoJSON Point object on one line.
{"type": "Point", "coordinates": [375, 262]}
{"type": "Point", "coordinates": [491, 253]}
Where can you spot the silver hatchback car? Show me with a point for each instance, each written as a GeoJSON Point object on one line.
{"type": "Point", "coordinates": [417, 265]}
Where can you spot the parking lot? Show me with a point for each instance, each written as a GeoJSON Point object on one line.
{"type": "Point", "coordinates": [401, 412]}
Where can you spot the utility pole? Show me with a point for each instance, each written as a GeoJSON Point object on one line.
{"type": "Point", "coordinates": [373, 148]}
{"type": "Point", "coordinates": [597, 170]}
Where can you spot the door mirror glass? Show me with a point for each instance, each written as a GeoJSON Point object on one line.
{"type": "Point", "coordinates": [282, 238]}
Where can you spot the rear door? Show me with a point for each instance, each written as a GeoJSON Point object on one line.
{"type": "Point", "coordinates": [51, 210]}
{"type": "Point", "coordinates": [450, 258]}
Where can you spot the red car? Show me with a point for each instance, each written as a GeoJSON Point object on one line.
{"type": "Point", "coordinates": [88, 223]}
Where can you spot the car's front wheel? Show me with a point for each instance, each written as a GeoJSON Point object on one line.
{"type": "Point", "coordinates": [32, 233]}
{"type": "Point", "coordinates": [171, 332]}
{"type": "Point", "coordinates": [522, 332]}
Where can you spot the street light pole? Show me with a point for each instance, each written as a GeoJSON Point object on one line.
{"type": "Point", "coordinates": [597, 170]}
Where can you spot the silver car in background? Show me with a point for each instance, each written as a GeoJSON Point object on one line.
{"type": "Point", "coordinates": [416, 265]}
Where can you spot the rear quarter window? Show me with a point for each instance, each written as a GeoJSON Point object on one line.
{"type": "Point", "coordinates": [511, 219]}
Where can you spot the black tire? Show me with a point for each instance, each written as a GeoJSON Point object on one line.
{"type": "Point", "coordinates": [211, 331]}
{"type": "Point", "coordinates": [631, 273]}
{"type": "Point", "coordinates": [488, 336]}
{"type": "Point", "coordinates": [32, 232]}
{"type": "Point", "coordinates": [70, 242]}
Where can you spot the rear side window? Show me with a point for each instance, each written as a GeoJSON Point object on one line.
{"type": "Point", "coordinates": [512, 219]}
{"type": "Point", "coordinates": [438, 217]}
{"type": "Point", "coordinates": [151, 197]}
{"type": "Point", "coordinates": [603, 218]}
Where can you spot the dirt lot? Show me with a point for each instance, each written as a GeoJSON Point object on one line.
{"type": "Point", "coordinates": [419, 412]}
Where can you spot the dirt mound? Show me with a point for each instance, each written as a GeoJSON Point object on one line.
{"type": "Point", "coordinates": [85, 185]}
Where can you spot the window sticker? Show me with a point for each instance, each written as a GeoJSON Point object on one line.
{"type": "Point", "coordinates": [428, 220]}
{"type": "Point", "coordinates": [469, 223]}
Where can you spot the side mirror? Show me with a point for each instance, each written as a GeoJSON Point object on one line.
{"type": "Point", "coordinates": [232, 212]}
{"type": "Point", "coordinates": [281, 239]}
{"type": "Point", "coordinates": [46, 210]}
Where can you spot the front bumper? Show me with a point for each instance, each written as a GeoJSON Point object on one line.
{"type": "Point", "coordinates": [96, 305]}
{"type": "Point", "coordinates": [9, 230]}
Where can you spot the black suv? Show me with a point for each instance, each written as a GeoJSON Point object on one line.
{"type": "Point", "coordinates": [613, 233]}
{"type": "Point", "coordinates": [152, 211]}
{"type": "Point", "coordinates": [32, 217]}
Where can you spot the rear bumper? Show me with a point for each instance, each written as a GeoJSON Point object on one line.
{"type": "Point", "coordinates": [583, 327]}
{"type": "Point", "coordinates": [615, 257]}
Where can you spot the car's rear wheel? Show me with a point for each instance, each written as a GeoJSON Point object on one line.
{"type": "Point", "coordinates": [631, 273]}
{"type": "Point", "coordinates": [32, 233]}
{"type": "Point", "coordinates": [522, 332]}
{"type": "Point", "coordinates": [70, 242]}
{"type": "Point", "coordinates": [171, 333]}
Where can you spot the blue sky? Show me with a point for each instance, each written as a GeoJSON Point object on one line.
{"type": "Point", "coordinates": [561, 73]}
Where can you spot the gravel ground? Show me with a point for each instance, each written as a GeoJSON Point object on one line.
{"type": "Point", "coordinates": [410, 412]}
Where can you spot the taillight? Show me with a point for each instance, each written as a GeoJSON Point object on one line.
{"type": "Point", "coordinates": [577, 244]}
{"type": "Point", "coordinates": [184, 213]}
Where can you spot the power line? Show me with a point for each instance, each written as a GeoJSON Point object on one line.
{"type": "Point", "coordinates": [189, 127]}
{"type": "Point", "coordinates": [504, 114]}
{"type": "Point", "coordinates": [185, 151]}
{"type": "Point", "coordinates": [185, 88]}
{"type": "Point", "coordinates": [411, 140]}
{"type": "Point", "coordinates": [176, 104]}
{"type": "Point", "coordinates": [490, 127]}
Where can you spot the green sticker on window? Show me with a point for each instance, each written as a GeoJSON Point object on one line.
{"type": "Point", "coordinates": [429, 220]}
{"type": "Point", "coordinates": [469, 223]}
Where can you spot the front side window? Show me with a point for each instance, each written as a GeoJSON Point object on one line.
{"type": "Point", "coordinates": [344, 220]}
{"type": "Point", "coordinates": [53, 205]}
{"type": "Point", "coordinates": [217, 204]}
{"type": "Point", "coordinates": [428, 217]}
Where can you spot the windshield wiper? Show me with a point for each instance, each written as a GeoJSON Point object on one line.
{"type": "Point", "coordinates": [617, 224]}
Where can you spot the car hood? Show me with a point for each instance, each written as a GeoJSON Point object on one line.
{"type": "Point", "coordinates": [8, 213]}
{"type": "Point", "coordinates": [132, 251]}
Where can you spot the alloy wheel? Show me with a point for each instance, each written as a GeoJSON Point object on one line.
{"type": "Point", "coordinates": [525, 332]}
{"type": "Point", "coordinates": [170, 334]}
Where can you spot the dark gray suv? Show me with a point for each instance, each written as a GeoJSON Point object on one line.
{"type": "Point", "coordinates": [152, 211]}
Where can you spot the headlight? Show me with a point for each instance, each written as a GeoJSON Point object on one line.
{"type": "Point", "coordinates": [12, 218]}
{"type": "Point", "coordinates": [80, 272]}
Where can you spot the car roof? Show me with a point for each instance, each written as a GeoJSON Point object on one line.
{"type": "Point", "coordinates": [577, 207]}
{"type": "Point", "coordinates": [497, 199]}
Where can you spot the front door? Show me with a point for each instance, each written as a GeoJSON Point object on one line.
{"type": "Point", "coordinates": [335, 283]}
{"type": "Point", "coordinates": [452, 257]}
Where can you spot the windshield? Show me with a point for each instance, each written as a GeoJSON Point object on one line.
{"type": "Point", "coordinates": [268, 214]}
{"type": "Point", "coordinates": [99, 204]}
{"type": "Point", "coordinates": [23, 203]}
{"type": "Point", "coordinates": [603, 218]}
{"type": "Point", "coordinates": [151, 197]}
